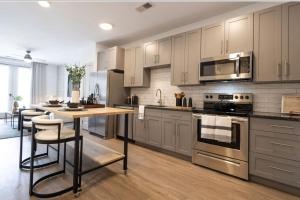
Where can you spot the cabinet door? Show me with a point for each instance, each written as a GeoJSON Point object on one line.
{"type": "Point", "coordinates": [291, 41]}
{"type": "Point", "coordinates": [164, 51]}
{"type": "Point", "coordinates": [154, 131]}
{"type": "Point", "coordinates": [193, 46]}
{"type": "Point", "coordinates": [239, 34]}
{"type": "Point", "coordinates": [102, 63]}
{"type": "Point", "coordinates": [178, 59]}
{"type": "Point", "coordinates": [184, 137]}
{"type": "Point", "coordinates": [169, 134]}
{"type": "Point", "coordinates": [267, 44]}
{"type": "Point", "coordinates": [150, 54]}
{"type": "Point", "coordinates": [129, 67]}
{"type": "Point", "coordinates": [139, 130]}
{"type": "Point", "coordinates": [212, 43]}
{"type": "Point", "coordinates": [138, 79]}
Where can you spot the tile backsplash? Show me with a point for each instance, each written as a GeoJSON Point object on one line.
{"type": "Point", "coordinates": [267, 97]}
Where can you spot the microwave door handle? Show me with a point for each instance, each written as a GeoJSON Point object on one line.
{"type": "Point", "coordinates": [237, 67]}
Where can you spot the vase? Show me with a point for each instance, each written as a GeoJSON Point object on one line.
{"type": "Point", "coordinates": [75, 93]}
{"type": "Point", "coordinates": [15, 107]}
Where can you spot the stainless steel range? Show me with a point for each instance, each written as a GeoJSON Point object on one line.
{"type": "Point", "coordinates": [221, 132]}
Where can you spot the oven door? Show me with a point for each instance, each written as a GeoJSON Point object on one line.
{"type": "Point", "coordinates": [237, 149]}
{"type": "Point", "coordinates": [228, 67]}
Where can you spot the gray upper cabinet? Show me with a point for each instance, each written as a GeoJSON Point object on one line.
{"type": "Point", "coordinates": [185, 58]}
{"type": "Point", "coordinates": [239, 34]}
{"type": "Point", "coordinates": [277, 43]}
{"type": "Point", "coordinates": [267, 44]}
{"type": "Point", "coordinates": [192, 50]}
{"type": "Point", "coordinates": [134, 73]}
{"type": "Point", "coordinates": [178, 59]}
{"type": "Point", "coordinates": [111, 58]}
{"type": "Point", "coordinates": [157, 53]}
{"type": "Point", "coordinates": [184, 137]}
{"type": "Point", "coordinates": [291, 41]}
{"type": "Point", "coordinates": [212, 42]}
{"type": "Point", "coordinates": [154, 130]}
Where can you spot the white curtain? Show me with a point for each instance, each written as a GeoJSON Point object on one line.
{"type": "Point", "coordinates": [38, 85]}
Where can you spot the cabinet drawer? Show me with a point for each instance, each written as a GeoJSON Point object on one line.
{"type": "Point", "coordinates": [277, 126]}
{"type": "Point", "coordinates": [177, 115]}
{"type": "Point", "coordinates": [276, 169]}
{"type": "Point", "coordinates": [275, 144]}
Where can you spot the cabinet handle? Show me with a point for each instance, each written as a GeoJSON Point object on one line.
{"type": "Point", "coordinates": [286, 127]}
{"type": "Point", "coordinates": [284, 145]}
{"type": "Point", "coordinates": [221, 47]}
{"type": "Point", "coordinates": [286, 68]}
{"type": "Point", "coordinates": [279, 69]}
{"type": "Point", "coordinates": [279, 169]}
{"type": "Point", "coordinates": [226, 46]}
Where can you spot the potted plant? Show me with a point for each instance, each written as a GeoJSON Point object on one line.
{"type": "Point", "coordinates": [76, 73]}
{"type": "Point", "coordinates": [16, 100]}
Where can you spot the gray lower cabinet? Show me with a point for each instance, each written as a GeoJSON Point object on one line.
{"type": "Point", "coordinates": [154, 130]}
{"type": "Point", "coordinates": [184, 137]}
{"type": "Point", "coordinates": [139, 131]}
{"type": "Point", "coordinates": [275, 150]}
{"type": "Point", "coordinates": [169, 134]}
{"type": "Point", "coordinates": [170, 130]}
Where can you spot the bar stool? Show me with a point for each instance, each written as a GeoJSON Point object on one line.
{"type": "Point", "coordinates": [25, 123]}
{"type": "Point", "coordinates": [54, 134]}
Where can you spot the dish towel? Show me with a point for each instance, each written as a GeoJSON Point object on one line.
{"type": "Point", "coordinates": [208, 123]}
{"type": "Point", "coordinates": [141, 112]}
{"type": "Point", "coordinates": [223, 131]}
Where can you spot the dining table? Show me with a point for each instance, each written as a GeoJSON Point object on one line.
{"type": "Point", "coordinates": [111, 155]}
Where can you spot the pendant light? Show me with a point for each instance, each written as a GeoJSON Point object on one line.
{"type": "Point", "coordinates": [27, 57]}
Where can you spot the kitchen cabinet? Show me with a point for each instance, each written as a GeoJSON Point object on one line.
{"type": "Point", "coordinates": [134, 73]}
{"type": "Point", "coordinates": [184, 137]}
{"type": "Point", "coordinates": [186, 58]}
{"type": "Point", "coordinates": [277, 43]}
{"type": "Point", "coordinates": [157, 53]}
{"type": "Point", "coordinates": [212, 42]}
{"type": "Point", "coordinates": [275, 150]}
{"type": "Point", "coordinates": [111, 58]}
{"type": "Point", "coordinates": [239, 34]}
{"type": "Point", "coordinates": [169, 134]}
{"type": "Point", "coordinates": [170, 130]}
{"type": "Point", "coordinates": [232, 36]}
{"type": "Point", "coordinates": [291, 41]}
{"type": "Point", "coordinates": [178, 59]}
{"type": "Point", "coordinates": [267, 44]}
{"type": "Point", "coordinates": [154, 130]}
{"type": "Point", "coordinates": [139, 131]}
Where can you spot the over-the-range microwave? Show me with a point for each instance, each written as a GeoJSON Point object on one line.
{"type": "Point", "coordinates": [234, 66]}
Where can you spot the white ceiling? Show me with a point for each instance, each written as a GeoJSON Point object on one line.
{"type": "Point", "coordinates": [58, 34]}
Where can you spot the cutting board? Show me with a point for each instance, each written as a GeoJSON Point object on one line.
{"type": "Point", "coordinates": [290, 104]}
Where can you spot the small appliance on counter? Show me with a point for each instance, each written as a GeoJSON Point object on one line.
{"type": "Point", "coordinates": [290, 104]}
{"type": "Point", "coordinates": [134, 100]}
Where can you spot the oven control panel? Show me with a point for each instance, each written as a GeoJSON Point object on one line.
{"type": "Point", "coordinates": [235, 98]}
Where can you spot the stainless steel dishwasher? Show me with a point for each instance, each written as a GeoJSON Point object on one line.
{"type": "Point", "coordinates": [120, 122]}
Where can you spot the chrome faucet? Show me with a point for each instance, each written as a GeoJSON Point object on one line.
{"type": "Point", "coordinates": [159, 101]}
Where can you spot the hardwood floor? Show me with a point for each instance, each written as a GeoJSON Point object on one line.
{"type": "Point", "coordinates": [151, 175]}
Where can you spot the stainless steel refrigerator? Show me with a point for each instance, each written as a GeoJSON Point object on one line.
{"type": "Point", "coordinates": [108, 88]}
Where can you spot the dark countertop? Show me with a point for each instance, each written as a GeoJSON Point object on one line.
{"type": "Point", "coordinates": [173, 108]}
{"type": "Point", "coordinates": [279, 116]}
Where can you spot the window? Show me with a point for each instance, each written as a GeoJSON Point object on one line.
{"type": "Point", "coordinates": [16, 81]}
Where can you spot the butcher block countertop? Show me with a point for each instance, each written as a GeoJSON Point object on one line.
{"type": "Point", "coordinates": [91, 112]}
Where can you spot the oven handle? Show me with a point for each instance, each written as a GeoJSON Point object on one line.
{"type": "Point", "coordinates": [234, 119]}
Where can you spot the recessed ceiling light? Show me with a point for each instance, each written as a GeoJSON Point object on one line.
{"type": "Point", "coordinates": [105, 26]}
{"type": "Point", "coordinates": [44, 4]}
